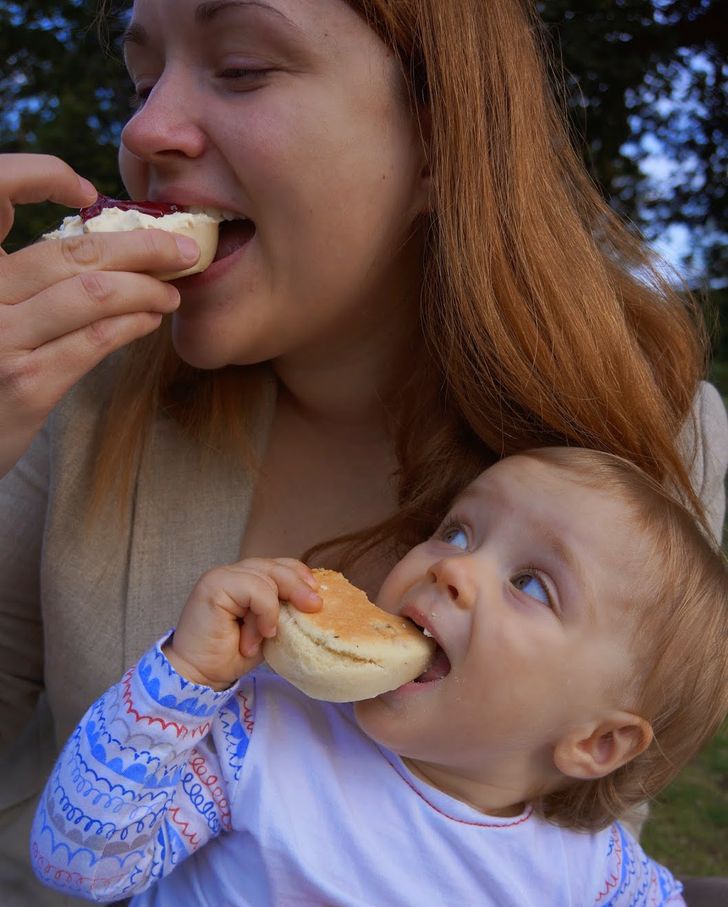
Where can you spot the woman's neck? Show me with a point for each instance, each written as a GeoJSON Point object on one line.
{"type": "Point", "coordinates": [347, 375]}
{"type": "Point", "coordinates": [349, 389]}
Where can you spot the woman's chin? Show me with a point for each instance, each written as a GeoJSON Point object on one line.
{"type": "Point", "coordinates": [207, 350]}
{"type": "Point", "coordinates": [197, 347]}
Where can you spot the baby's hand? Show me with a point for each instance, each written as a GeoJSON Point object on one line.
{"type": "Point", "coordinates": [229, 613]}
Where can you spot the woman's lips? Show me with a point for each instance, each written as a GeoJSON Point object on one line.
{"type": "Point", "coordinates": [232, 235]}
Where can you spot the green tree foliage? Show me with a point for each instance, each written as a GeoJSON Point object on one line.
{"type": "Point", "coordinates": [632, 73]}
{"type": "Point", "coordinates": [61, 93]}
{"type": "Point", "coordinates": [642, 75]}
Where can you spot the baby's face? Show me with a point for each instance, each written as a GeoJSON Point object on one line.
{"type": "Point", "coordinates": [525, 588]}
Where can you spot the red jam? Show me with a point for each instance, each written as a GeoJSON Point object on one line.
{"type": "Point", "coordinates": [154, 209]}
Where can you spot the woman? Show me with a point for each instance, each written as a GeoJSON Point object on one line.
{"type": "Point", "coordinates": [419, 280]}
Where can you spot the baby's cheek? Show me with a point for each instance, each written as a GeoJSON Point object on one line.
{"type": "Point", "coordinates": [398, 581]}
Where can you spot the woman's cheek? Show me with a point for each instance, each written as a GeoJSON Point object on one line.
{"type": "Point", "coordinates": [134, 173]}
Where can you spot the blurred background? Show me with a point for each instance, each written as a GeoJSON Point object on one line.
{"type": "Point", "coordinates": [644, 84]}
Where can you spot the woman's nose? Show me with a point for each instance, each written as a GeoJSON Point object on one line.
{"type": "Point", "coordinates": [165, 126]}
{"type": "Point", "coordinates": [454, 575]}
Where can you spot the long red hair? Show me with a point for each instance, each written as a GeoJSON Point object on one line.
{"type": "Point", "coordinates": [544, 321]}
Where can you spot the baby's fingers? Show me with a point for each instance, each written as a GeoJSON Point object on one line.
{"type": "Point", "coordinates": [250, 637]}
{"type": "Point", "coordinates": [295, 584]}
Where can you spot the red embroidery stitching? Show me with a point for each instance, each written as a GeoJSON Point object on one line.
{"type": "Point", "coordinates": [183, 827]}
{"type": "Point", "coordinates": [247, 713]}
{"type": "Point", "coordinates": [609, 883]}
{"type": "Point", "coordinates": [181, 729]}
{"type": "Point", "coordinates": [199, 766]}
{"type": "Point", "coordinates": [613, 880]}
{"type": "Point", "coordinates": [518, 821]}
{"type": "Point", "coordinates": [69, 877]}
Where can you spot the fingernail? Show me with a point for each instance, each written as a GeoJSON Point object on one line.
{"type": "Point", "coordinates": [173, 294]}
{"type": "Point", "coordinates": [189, 249]}
{"type": "Point", "coordinates": [87, 188]}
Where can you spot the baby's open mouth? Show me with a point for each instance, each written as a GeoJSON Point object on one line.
{"type": "Point", "coordinates": [438, 668]}
{"type": "Point", "coordinates": [232, 235]}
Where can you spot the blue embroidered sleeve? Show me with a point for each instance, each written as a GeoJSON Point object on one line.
{"type": "Point", "coordinates": [141, 784]}
{"type": "Point", "coordinates": [633, 879]}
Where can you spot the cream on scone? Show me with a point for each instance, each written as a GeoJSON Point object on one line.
{"type": "Point", "coordinates": [113, 215]}
{"type": "Point", "coordinates": [350, 649]}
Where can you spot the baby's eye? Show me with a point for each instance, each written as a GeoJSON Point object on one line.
{"type": "Point", "coordinates": [530, 584]}
{"type": "Point", "coordinates": [454, 534]}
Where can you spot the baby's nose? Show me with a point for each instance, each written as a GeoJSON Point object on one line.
{"type": "Point", "coordinates": [454, 577]}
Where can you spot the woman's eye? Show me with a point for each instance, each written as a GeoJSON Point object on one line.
{"type": "Point", "coordinates": [140, 94]}
{"type": "Point", "coordinates": [244, 76]}
{"type": "Point", "coordinates": [529, 583]}
{"type": "Point", "coordinates": [137, 98]}
{"type": "Point", "coordinates": [455, 535]}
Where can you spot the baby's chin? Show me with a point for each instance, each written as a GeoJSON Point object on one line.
{"type": "Point", "coordinates": [399, 718]}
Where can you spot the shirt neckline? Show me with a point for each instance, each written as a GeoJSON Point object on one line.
{"type": "Point", "coordinates": [448, 806]}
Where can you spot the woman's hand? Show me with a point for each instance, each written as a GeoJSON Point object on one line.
{"type": "Point", "coordinates": [66, 304]}
{"type": "Point", "coordinates": [230, 612]}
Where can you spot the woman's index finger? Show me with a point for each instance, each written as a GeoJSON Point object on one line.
{"type": "Point", "coordinates": [31, 178]}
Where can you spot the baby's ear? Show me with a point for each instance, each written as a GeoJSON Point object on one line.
{"type": "Point", "coordinates": [595, 750]}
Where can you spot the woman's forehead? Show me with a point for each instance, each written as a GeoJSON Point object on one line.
{"type": "Point", "coordinates": [337, 24]}
{"type": "Point", "coordinates": [200, 10]}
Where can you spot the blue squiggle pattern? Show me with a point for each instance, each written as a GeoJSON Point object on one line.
{"type": "Point", "coordinates": [123, 807]}
{"type": "Point", "coordinates": [236, 738]}
{"type": "Point", "coordinates": [148, 672]}
{"type": "Point", "coordinates": [642, 882]}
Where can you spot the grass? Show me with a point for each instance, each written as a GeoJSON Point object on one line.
{"type": "Point", "coordinates": [719, 376]}
{"type": "Point", "coordinates": [688, 825]}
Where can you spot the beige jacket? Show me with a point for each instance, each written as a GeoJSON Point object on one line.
{"type": "Point", "coordinates": [79, 605]}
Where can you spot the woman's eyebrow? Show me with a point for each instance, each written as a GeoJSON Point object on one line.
{"type": "Point", "coordinates": [204, 14]}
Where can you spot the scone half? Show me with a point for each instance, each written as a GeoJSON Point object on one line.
{"type": "Point", "coordinates": [348, 651]}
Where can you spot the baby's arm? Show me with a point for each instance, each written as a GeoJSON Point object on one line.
{"type": "Point", "coordinates": [632, 879]}
{"type": "Point", "coordinates": [130, 795]}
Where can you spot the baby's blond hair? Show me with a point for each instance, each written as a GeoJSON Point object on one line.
{"type": "Point", "coordinates": [680, 633]}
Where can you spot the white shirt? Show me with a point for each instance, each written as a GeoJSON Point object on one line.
{"type": "Point", "coordinates": [295, 806]}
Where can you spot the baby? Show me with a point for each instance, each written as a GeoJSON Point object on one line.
{"type": "Point", "coordinates": [581, 619]}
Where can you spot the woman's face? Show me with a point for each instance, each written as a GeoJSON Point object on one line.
{"type": "Point", "coordinates": [293, 115]}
